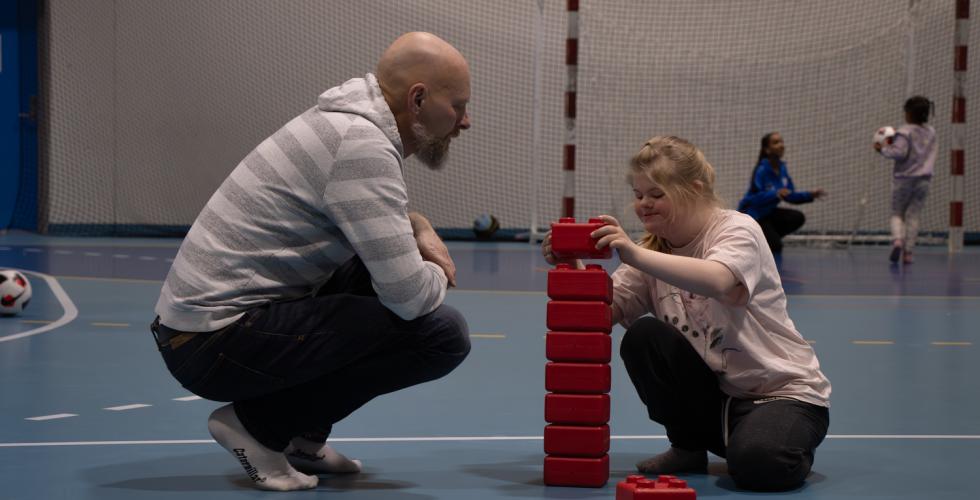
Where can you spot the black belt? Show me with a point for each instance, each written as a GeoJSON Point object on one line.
{"type": "Point", "coordinates": [168, 337]}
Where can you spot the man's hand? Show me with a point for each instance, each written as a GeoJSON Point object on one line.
{"type": "Point", "coordinates": [783, 193]}
{"type": "Point", "coordinates": [431, 246]}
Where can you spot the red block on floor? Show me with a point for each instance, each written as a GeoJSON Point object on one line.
{"type": "Point", "coordinates": [571, 240]}
{"type": "Point", "coordinates": [576, 440]}
{"type": "Point", "coordinates": [576, 409]}
{"type": "Point", "coordinates": [579, 316]}
{"type": "Point", "coordinates": [576, 471]}
{"type": "Point", "coordinates": [637, 487]}
{"type": "Point", "coordinates": [577, 378]}
{"type": "Point", "coordinates": [578, 347]}
{"type": "Point", "coordinates": [591, 283]}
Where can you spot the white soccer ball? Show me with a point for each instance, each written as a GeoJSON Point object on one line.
{"type": "Point", "coordinates": [15, 292]}
{"type": "Point", "coordinates": [884, 135]}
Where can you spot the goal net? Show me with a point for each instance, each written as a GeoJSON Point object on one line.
{"type": "Point", "coordinates": [149, 104]}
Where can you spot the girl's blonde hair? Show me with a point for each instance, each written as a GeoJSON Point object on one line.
{"type": "Point", "coordinates": [677, 167]}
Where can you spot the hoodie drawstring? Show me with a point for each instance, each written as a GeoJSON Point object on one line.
{"type": "Point", "coordinates": [724, 419]}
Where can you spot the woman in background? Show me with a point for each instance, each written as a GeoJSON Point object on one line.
{"type": "Point", "coordinates": [770, 185]}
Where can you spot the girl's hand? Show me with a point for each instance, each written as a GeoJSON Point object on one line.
{"type": "Point", "coordinates": [613, 236]}
{"type": "Point", "coordinates": [550, 258]}
{"type": "Point", "coordinates": [546, 250]}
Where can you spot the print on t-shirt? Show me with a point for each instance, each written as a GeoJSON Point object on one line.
{"type": "Point", "coordinates": [692, 315]}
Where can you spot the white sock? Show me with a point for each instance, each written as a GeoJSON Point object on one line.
{"type": "Point", "coordinates": [268, 470]}
{"type": "Point", "coordinates": [319, 458]}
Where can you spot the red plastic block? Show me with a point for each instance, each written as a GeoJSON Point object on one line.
{"type": "Point", "coordinates": [578, 347]}
{"type": "Point", "coordinates": [577, 378]}
{"type": "Point", "coordinates": [576, 440]}
{"type": "Point", "coordinates": [571, 240]}
{"type": "Point", "coordinates": [579, 316]}
{"type": "Point", "coordinates": [576, 471]}
{"type": "Point", "coordinates": [637, 487]}
{"type": "Point", "coordinates": [591, 283]}
{"type": "Point", "coordinates": [576, 409]}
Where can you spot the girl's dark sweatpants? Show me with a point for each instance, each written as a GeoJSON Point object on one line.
{"type": "Point", "coordinates": [770, 442]}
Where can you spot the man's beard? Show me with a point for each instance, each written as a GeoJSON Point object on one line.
{"type": "Point", "coordinates": [432, 151]}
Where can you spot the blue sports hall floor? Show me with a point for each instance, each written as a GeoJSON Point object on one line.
{"type": "Point", "coordinates": [89, 411]}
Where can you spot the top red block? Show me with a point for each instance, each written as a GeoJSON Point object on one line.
{"type": "Point", "coordinates": [571, 240]}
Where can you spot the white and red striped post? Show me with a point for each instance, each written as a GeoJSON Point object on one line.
{"type": "Point", "coordinates": [957, 154]}
{"type": "Point", "coordinates": [571, 65]}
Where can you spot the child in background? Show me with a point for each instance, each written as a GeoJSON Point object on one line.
{"type": "Point", "coordinates": [719, 363]}
{"type": "Point", "coordinates": [914, 150]}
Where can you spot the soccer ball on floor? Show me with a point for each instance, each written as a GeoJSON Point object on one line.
{"type": "Point", "coordinates": [484, 226]}
{"type": "Point", "coordinates": [884, 136]}
{"type": "Point", "coordinates": [15, 292]}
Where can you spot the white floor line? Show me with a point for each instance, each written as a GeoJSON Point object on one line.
{"type": "Point", "coordinates": [465, 439]}
{"type": "Point", "coordinates": [188, 398]}
{"type": "Point", "coordinates": [52, 417]}
{"type": "Point", "coordinates": [71, 312]}
{"type": "Point", "coordinates": [110, 280]}
{"type": "Point", "coordinates": [127, 407]}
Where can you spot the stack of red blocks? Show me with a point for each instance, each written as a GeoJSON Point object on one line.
{"type": "Point", "coordinates": [579, 348]}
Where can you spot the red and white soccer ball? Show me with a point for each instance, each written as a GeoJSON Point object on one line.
{"type": "Point", "coordinates": [884, 135]}
{"type": "Point", "coordinates": [15, 292]}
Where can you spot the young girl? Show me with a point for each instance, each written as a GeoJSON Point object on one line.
{"type": "Point", "coordinates": [720, 364]}
{"type": "Point", "coordinates": [914, 150]}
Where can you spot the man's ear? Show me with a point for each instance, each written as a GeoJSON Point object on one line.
{"type": "Point", "coordinates": [416, 94]}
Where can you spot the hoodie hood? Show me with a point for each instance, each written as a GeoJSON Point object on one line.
{"type": "Point", "coordinates": [363, 97]}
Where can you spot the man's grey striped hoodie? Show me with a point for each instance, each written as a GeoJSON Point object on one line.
{"type": "Point", "coordinates": [324, 187]}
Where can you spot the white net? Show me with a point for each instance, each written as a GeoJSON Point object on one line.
{"type": "Point", "coordinates": [824, 74]}
{"type": "Point", "coordinates": [150, 103]}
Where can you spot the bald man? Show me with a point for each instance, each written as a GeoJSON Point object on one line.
{"type": "Point", "coordinates": [305, 288]}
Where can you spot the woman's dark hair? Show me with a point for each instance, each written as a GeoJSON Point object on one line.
{"type": "Point", "coordinates": [765, 145]}
{"type": "Point", "coordinates": [919, 108]}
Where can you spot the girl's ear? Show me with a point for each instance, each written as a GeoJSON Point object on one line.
{"type": "Point", "coordinates": [698, 186]}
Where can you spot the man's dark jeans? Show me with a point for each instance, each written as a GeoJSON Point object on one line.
{"type": "Point", "coordinates": [297, 367]}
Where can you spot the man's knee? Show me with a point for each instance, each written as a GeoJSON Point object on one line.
{"type": "Point", "coordinates": [451, 335]}
{"type": "Point", "coordinates": [761, 467]}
